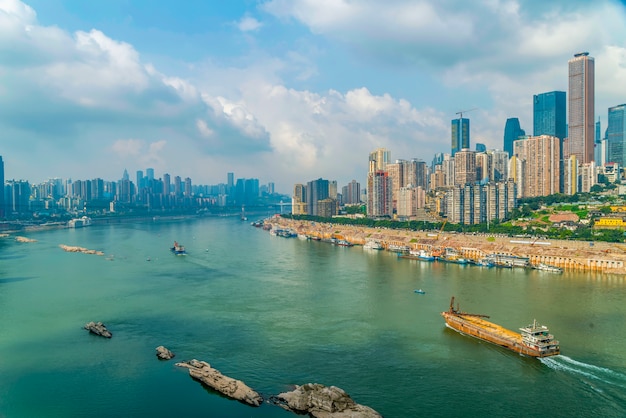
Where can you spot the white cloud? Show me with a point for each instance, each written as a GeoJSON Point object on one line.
{"type": "Point", "coordinates": [248, 24]}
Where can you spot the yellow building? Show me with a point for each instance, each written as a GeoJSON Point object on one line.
{"type": "Point", "coordinates": [610, 223]}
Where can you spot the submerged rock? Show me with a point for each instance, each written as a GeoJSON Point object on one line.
{"type": "Point", "coordinates": [98, 328]}
{"type": "Point", "coordinates": [163, 353]}
{"type": "Point", "coordinates": [232, 388]}
{"type": "Point", "coordinates": [323, 402]}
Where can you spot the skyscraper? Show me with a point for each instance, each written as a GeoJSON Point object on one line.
{"type": "Point", "coordinates": [581, 107]}
{"type": "Point", "coordinates": [512, 131]}
{"type": "Point", "coordinates": [460, 134]}
{"type": "Point", "coordinates": [316, 191]}
{"type": "Point", "coordinates": [549, 115]}
{"type": "Point", "coordinates": [379, 160]}
{"type": "Point", "coordinates": [616, 135]}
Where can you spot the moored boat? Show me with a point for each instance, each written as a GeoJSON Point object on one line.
{"type": "Point", "coordinates": [373, 245]}
{"type": "Point", "coordinates": [549, 268]}
{"type": "Point", "coordinates": [534, 340]}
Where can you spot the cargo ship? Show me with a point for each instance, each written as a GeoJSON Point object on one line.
{"type": "Point", "coordinates": [533, 340]}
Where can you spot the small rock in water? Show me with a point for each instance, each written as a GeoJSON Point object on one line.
{"type": "Point", "coordinates": [98, 328]}
{"type": "Point", "coordinates": [163, 353]}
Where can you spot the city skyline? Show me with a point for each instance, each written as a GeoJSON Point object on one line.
{"type": "Point", "coordinates": [286, 91]}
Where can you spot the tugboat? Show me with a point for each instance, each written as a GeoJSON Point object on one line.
{"type": "Point", "coordinates": [178, 249]}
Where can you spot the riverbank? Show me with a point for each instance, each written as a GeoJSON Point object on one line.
{"type": "Point", "coordinates": [601, 257]}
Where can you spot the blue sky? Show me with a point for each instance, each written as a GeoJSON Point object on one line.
{"type": "Point", "coordinates": [283, 90]}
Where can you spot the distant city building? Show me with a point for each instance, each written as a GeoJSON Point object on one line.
{"type": "Point", "coordinates": [549, 114]}
{"type": "Point", "coordinates": [570, 170]}
{"type": "Point", "coordinates": [499, 165]}
{"type": "Point", "coordinates": [616, 135]}
{"type": "Point", "coordinates": [298, 200]}
{"type": "Point", "coordinates": [481, 147]}
{"type": "Point", "coordinates": [316, 190]}
{"type": "Point", "coordinates": [410, 199]}
{"type": "Point", "coordinates": [460, 134]}
{"type": "Point", "coordinates": [512, 132]}
{"type": "Point", "coordinates": [465, 167]}
{"type": "Point", "coordinates": [581, 107]}
{"type": "Point", "coordinates": [351, 193]}
{"type": "Point", "coordinates": [379, 194]}
{"type": "Point", "coordinates": [379, 159]}
{"type": "Point", "coordinates": [475, 203]}
{"type": "Point", "coordinates": [540, 157]}
{"type": "Point", "coordinates": [484, 167]}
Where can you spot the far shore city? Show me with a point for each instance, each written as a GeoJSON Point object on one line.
{"type": "Point", "coordinates": [564, 181]}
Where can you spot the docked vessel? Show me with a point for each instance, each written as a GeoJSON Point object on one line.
{"type": "Point", "coordinates": [422, 255]}
{"type": "Point", "coordinates": [373, 245]}
{"type": "Point", "coordinates": [178, 249]}
{"type": "Point", "coordinates": [549, 268]}
{"type": "Point", "coordinates": [79, 222]}
{"type": "Point", "coordinates": [533, 340]}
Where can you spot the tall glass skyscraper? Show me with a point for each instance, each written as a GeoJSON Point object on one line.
{"type": "Point", "coordinates": [581, 121]}
{"type": "Point", "coordinates": [512, 131]}
{"type": "Point", "coordinates": [460, 134]}
{"type": "Point", "coordinates": [616, 135]}
{"type": "Point", "coordinates": [549, 116]}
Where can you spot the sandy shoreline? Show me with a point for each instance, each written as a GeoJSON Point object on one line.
{"type": "Point", "coordinates": [570, 255]}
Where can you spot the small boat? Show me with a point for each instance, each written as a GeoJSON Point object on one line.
{"type": "Point", "coordinates": [178, 249]}
{"type": "Point", "coordinates": [419, 291]}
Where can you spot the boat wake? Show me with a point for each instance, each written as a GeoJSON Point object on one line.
{"type": "Point", "coordinates": [567, 364]}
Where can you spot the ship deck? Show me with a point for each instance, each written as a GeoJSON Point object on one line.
{"type": "Point", "coordinates": [492, 328]}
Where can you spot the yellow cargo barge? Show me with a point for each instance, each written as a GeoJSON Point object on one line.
{"type": "Point", "coordinates": [534, 340]}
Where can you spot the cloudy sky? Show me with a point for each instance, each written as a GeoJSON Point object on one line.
{"type": "Point", "coordinates": [285, 91]}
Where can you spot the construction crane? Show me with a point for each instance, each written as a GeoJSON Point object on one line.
{"type": "Point", "coordinates": [460, 112]}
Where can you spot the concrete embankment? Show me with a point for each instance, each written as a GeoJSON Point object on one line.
{"type": "Point", "coordinates": [601, 257]}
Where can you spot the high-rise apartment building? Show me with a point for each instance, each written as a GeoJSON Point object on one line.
{"type": "Point", "coordinates": [379, 160]}
{"type": "Point", "coordinates": [379, 196]}
{"type": "Point", "coordinates": [540, 156]}
{"type": "Point", "coordinates": [351, 193]}
{"type": "Point", "coordinates": [499, 165]}
{"type": "Point", "coordinates": [581, 107]}
{"type": "Point", "coordinates": [512, 131]}
{"type": "Point", "coordinates": [616, 135]}
{"type": "Point", "coordinates": [549, 114]}
{"type": "Point", "coordinates": [465, 167]}
{"type": "Point", "coordinates": [316, 190]}
{"type": "Point", "coordinates": [460, 134]}
{"type": "Point", "coordinates": [298, 200]}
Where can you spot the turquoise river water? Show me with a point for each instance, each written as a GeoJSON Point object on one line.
{"type": "Point", "coordinates": [275, 312]}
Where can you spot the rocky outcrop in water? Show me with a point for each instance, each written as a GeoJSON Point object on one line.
{"type": "Point", "coordinates": [323, 402]}
{"type": "Point", "coordinates": [98, 328]}
{"type": "Point", "coordinates": [232, 388]}
{"type": "Point", "coordinates": [72, 249]}
{"type": "Point", "coordinates": [163, 353]}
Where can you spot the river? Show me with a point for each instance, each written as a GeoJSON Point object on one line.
{"type": "Point", "coordinates": [275, 312]}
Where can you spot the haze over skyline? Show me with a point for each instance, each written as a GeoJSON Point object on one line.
{"type": "Point", "coordinates": [286, 91]}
